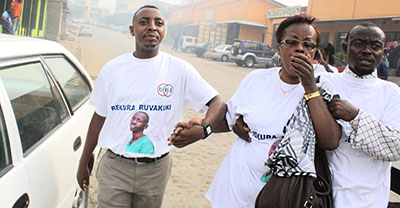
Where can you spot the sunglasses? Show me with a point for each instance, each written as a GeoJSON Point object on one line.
{"type": "Point", "coordinates": [291, 42]}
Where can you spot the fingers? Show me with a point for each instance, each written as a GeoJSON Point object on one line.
{"type": "Point", "coordinates": [241, 131]}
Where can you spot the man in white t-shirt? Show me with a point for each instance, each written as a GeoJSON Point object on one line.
{"type": "Point", "coordinates": [157, 84]}
{"type": "Point", "coordinates": [369, 112]}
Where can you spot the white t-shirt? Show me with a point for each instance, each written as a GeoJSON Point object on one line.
{"type": "Point", "coordinates": [259, 99]}
{"type": "Point", "coordinates": [318, 68]}
{"type": "Point", "coordinates": [160, 86]}
{"type": "Point", "coordinates": [358, 179]}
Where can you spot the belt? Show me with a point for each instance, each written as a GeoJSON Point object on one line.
{"type": "Point", "coordinates": [139, 159]}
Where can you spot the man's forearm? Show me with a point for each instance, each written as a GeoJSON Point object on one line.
{"type": "Point", "coordinates": [369, 135]}
{"type": "Point", "coordinates": [215, 115]}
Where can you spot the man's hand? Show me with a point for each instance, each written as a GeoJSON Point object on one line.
{"type": "Point", "coordinates": [183, 135]}
{"type": "Point", "coordinates": [241, 129]}
{"type": "Point", "coordinates": [342, 109]}
{"type": "Point", "coordinates": [186, 133]}
{"type": "Point", "coordinates": [83, 176]}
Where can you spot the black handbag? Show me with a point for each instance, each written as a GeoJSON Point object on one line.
{"type": "Point", "coordinates": [299, 191]}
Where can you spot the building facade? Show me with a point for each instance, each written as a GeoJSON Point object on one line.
{"type": "Point", "coordinates": [41, 18]}
{"type": "Point", "coordinates": [222, 21]}
{"type": "Point", "coordinates": [335, 18]}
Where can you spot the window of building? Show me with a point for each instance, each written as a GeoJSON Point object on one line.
{"type": "Point", "coordinates": [36, 102]}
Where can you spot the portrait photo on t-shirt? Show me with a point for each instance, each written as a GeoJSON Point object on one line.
{"type": "Point", "coordinates": [139, 142]}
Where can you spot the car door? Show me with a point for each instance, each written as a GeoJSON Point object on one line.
{"type": "Point", "coordinates": [14, 182]}
{"type": "Point", "coordinates": [48, 135]}
{"type": "Point", "coordinates": [263, 54]}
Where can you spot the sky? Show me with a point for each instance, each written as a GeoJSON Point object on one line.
{"type": "Point", "coordinates": [110, 4]}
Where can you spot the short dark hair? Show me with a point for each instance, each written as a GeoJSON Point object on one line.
{"type": "Point", "coordinates": [296, 19]}
{"type": "Point", "coordinates": [143, 7]}
{"type": "Point", "coordinates": [329, 50]}
{"type": "Point", "coordinates": [144, 113]}
{"type": "Point", "coordinates": [8, 7]}
{"type": "Point", "coordinates": [362, 24]}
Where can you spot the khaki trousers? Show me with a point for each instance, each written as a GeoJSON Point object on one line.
{"type": "Point", "coordinates": [124, 183]}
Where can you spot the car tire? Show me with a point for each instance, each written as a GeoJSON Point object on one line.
{"type": "Point", "coordinates": [224, 58]}
{"type": "Point", "coordinates": [239, 63]}
{"type": "Point", "coordinates": [249, 61]}
{"type": "Point", "coordinates": [186, 49]}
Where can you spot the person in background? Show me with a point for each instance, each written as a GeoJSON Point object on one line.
{"type": "Point", "coordinates": [326, 59]}
{"type": "Point", "coordinates": [6, 21]}
{"type": "Point", "coordinates": [16, 15]}
{"type": "Point", "coordinates": [383, 71]}
{"type": "Point", "coordinates": [176, 43]}
{"type": "Point", "coordinates": [393, 56]}
{"type": "Point", "coordinates": [153, 82]}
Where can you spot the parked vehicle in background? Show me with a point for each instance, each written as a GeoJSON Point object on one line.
{"type": "Point", "coordinates": [202, 48]}
{"type": "Point", "coordinates": [220, 52]}
{"type": "Point", "coordinates": [85, 31]}
{"type": "Point", "coordinates": [187, 43]}
{"type": "Point", "coordinates": [44, 118]}
{"type": "Point", "coordinates": [276, 60]}
{"type": "Point", "coordinates": [249, 53]}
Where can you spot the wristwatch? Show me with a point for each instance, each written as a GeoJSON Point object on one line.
{"type": "Point", "coordinates": [207, 129]}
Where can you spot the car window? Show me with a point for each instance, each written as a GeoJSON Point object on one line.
{"type": "Point", "coordinates": [236, 43]}
{"type": "Point", "coordinates": [5, 153]}
{"type": "Point", "coordinates": [228, 48]}
{"type": "Point", "coordinates": [252, 46]}
{"type": "Point", "coordinates": [220, 47]}
{"type": "Point", "coordinates": [265, 48]}
{"type": "Point", "coordinates": [75, 87]}
{"type": "Point", "coordinates": [37, 105]}
{"type": "Point", "coordinates": [189, 40]}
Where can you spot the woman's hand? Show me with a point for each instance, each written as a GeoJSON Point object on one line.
{"type": "Point", "coordinates": [302, 65]}
{"type": "Point", "coordinates": [241, 129]}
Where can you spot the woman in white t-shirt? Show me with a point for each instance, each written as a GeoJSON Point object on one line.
{"type": "Point", "coordinates": [262, 105]}
{"type": "Point", "coordinates": [265, 100]}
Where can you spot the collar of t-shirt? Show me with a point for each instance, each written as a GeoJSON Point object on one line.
{"type": "Point", "coordinates": [348, 71]}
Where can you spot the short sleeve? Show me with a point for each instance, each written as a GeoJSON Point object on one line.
{"type": "Point", "coordinates": [99, 96]}
{"type": "Point", "coordinates": [233, 105]}
{"type": "Point", "coordinates": [197, 91]}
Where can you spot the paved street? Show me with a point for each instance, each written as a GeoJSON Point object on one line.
{"type": "Point", "coordinates": [195, 166]}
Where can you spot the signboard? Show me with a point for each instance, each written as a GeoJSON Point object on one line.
{"type": "Point", "coordinates": [283, 12]}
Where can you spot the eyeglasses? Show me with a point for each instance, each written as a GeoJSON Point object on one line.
{"type": "Point", "coordinates": [291, 42]}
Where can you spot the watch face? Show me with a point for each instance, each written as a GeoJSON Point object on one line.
{"type": "Point", "coordinates": [208, 129]}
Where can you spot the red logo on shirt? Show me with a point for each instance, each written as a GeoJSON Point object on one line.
{"type": "Point", "coordinates": [165, 90]}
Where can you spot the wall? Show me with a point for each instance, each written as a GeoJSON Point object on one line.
{"type": "Point", "coordinates": [347, 9]}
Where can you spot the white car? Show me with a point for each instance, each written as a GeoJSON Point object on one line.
{"type": "Point", "coordinates": [85, 31]}
{"type": "Point", "coordinates": [220, 52]}
{"type": "Point", "coordinates": [44, 117]}
{"type": "Point", "coordinates": [187, 43]}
